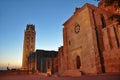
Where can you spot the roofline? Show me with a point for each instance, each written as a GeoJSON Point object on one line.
{"type": "Point", "coordinates": [85, 5]}
{"type": "Point", "coordinates": [45, 50]}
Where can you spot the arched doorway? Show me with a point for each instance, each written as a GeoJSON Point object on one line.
{"type": "Point", "coordinates": [78, 63]}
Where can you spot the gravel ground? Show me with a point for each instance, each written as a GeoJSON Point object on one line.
{"type": "Point", "coordinates": [115, 76]}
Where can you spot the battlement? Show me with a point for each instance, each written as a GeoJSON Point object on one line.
{"type": "Point", "coordinates": [30, 27]}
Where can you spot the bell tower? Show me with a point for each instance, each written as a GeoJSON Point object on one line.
{"type": "Point", "coordinates": [29, 44]}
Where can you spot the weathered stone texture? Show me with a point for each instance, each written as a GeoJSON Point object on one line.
{"type": "Point", "coordinates": [29, 44]}
{"type": "Point", "coordinates": [43, 61]}
{"type": "Point", "coordinates": [112, 8]}
{"type": "Point", "coordinates": [94, 46]}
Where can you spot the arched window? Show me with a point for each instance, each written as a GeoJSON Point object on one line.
{"type": "Point", "coordinates": [78, 63]}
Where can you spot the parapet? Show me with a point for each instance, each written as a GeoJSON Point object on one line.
{"type": "Point", "coordinates": [30, 27]}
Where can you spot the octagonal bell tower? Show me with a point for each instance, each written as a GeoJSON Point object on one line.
{"type": "Point", "coordinates": [29, 44]}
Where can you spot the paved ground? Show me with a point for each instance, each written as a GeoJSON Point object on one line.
{"type": "Point", "coordinates": [41, 77]}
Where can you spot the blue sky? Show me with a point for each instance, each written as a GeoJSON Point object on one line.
{"type": "Point", "coordinates": [48, 17]}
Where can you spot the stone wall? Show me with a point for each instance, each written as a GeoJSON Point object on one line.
{"type": "Point", "coordinates": [80, 44]}
{"type": "Point", "coordinates": [111, 53]}
{"type": "Point", "coordinates": [61, 61]}
{"type": "Point", "coordinates": [91, 48]}
{"type": "Point", "coordinates": [43, 61]}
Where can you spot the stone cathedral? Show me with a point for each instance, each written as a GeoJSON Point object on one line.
{"type": "Point", "coordinates": [91, 41]}
{"type": "Point", "coordinates": [91, 44]}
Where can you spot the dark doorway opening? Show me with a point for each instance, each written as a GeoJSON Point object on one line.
{"type": "Point", "coordinates": [78, 63]}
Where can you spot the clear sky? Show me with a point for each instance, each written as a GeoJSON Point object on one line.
{"type": "Point", "coordinates": [47, 16]}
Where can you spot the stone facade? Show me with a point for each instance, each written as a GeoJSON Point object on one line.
{"type": "Point", "coordinates": [29, 44]}
{"type": "Point", "coordinates": [91, 42]}
{"type": "Point", "coordinates": [43, 61]}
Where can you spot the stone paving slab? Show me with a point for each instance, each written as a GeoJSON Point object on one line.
{"type": "Point", "coordinates": [41, 77]}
